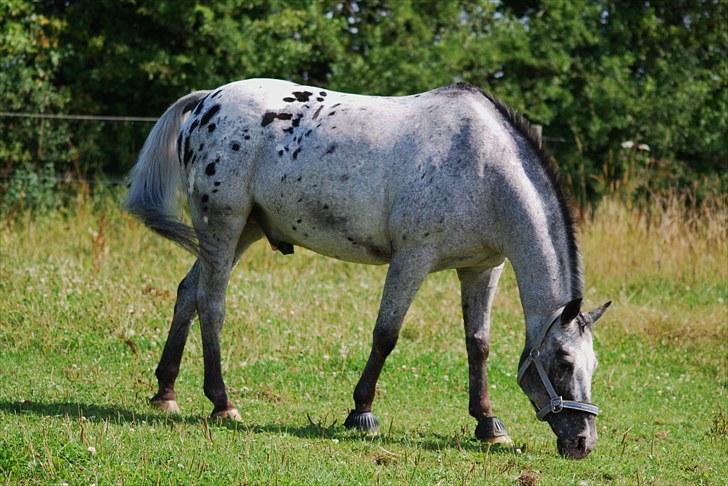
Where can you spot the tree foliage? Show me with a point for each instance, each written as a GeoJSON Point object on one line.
{"type": "Point", "coordinates": [603, 77]}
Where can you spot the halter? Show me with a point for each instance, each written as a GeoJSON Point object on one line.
{"type": "Point", "coordinates": [556, 403]}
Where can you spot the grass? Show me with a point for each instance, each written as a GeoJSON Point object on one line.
{"type": "Point", "coordinates": [86, 296]}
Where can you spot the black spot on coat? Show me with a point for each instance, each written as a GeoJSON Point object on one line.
{"type": "Point", "coordinates": [210, 169]}
{"type": "Point", "coordinates": [188, 152]}
{"type": "Point", "coordinates": [211, 127]}
{"type": "Point", "coordinates": [268, 118]}
{"type": "Point", "coordinates": [302, 95]}
{"type": "Point", "coordinates": [209, 114]}
{"type": "Point", "coordinates": [199, 106]}
{"type": "Point", "coordinates": [179, 147]}
{"type": "Point", "coordinates": [316, 113]}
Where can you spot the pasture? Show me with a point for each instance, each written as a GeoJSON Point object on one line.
{"type": "Point", "coordinates": [86, 296]}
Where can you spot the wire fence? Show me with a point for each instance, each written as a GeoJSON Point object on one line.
{"type": "Point", "coordinates": [66, 116]}
{"type": "Point", "coordinates": [60, 179]}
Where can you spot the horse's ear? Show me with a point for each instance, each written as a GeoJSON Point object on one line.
{"type": "Point", "coordinates": [571, 310]}
{"type": "Point", "coordinates": [593, 316]}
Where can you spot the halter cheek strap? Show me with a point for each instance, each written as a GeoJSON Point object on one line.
{"type": "Point", "coordinates": [556, 403]}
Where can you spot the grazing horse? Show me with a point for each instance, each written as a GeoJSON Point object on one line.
{"type": "Point", "coordinates": [450, 178]}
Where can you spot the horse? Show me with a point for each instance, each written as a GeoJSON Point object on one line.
{"type": "Point", "coordinates": [446, 179]}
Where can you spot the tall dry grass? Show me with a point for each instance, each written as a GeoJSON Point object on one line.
{"type": "Point", "coordinates": [666, 265]}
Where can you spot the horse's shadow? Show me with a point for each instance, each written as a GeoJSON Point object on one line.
{"type": "Point", "coordinates": [311, 431]}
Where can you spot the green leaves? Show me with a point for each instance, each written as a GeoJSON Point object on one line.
{"type": "Point", "coordinates": [593, 73]}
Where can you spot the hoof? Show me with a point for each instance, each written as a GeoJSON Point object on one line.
{"type": "Point", "coordinates": [364, 421]}
{"type": "Point", "coordinates": [492, 431]}
{"type": "Point", "coordinates": [169, 406]}
{"type": "Point", "coordinates": [229, 414]}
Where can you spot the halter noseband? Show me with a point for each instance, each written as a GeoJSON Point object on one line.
{"type": "Point", "coordinates": [556, 403]}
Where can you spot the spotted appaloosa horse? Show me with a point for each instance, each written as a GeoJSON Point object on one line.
{"type": "Point", "coordinates": [450, 178]}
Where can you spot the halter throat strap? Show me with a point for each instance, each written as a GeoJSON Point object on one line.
{"type": "Point", "coordinates": [556, 402]}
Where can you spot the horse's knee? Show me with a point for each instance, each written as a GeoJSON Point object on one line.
{"type": "Point", "coordinates": [384, 340]}
{"type": "Point", "coordinates": [478, 346]}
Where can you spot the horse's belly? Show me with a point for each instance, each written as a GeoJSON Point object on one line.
{"type": "Point", "coordinates": [342, 219]}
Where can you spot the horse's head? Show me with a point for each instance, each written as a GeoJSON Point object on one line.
{"type": "Point", "coordinates": [556, 374]}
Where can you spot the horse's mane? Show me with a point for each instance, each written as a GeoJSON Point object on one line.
{"type": "Point", "coordinates": [524, 127]}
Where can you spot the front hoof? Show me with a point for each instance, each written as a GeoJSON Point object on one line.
{"type": "Point", "coordinates": [229, 414]}
{"type": "Point", "coordinates": [169, 406]}
{"type": "Point", "coordinates": [363, 421]}
{"type": "Point", "coordinates": [492, 431]}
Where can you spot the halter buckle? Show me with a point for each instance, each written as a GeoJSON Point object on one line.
{"type": "Point", "coordinates": [557, 404]}
{"type": "Point", "coordinates": [535, 352]}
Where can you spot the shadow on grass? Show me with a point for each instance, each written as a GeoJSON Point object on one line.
{"type": "Point", "coordinates": [94, 413]}
{"type": "Point", "coordinates": [432, 442]}
{"type": "Point", "coordinates": [311, 431]}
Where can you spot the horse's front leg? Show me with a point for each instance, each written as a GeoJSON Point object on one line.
{"type": "Point", "coordinates": [478, 288]}
{"type": "Point", "coordinates": [404, 277]}
{"type": "Point", "coordinates": [185, 309]}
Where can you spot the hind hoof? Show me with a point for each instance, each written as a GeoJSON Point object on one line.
{"type": "Point", "coordinates": [363, 421]}
{"type": "Point", "coordinates": [169, 406]}
{"type": "Point", "coordinates": [229, 414]}
{"type": "Point", "coordinates": [492, 431]}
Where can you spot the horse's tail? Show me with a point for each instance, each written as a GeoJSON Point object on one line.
{"type": "Point", "coordinates": [157, 175]}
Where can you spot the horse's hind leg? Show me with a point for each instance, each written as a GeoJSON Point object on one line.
{"type": "Point", "coordinates": [219, 245]}
{"type": "Point", "coordinates": [185, 309]}
{"type": "Point", "coordinates": [478, 288]}
{"type": "Point", "coordinates": [404, 277]}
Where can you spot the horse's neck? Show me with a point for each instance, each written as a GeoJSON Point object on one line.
{"type": "Point", "coordinates": [543, 263]}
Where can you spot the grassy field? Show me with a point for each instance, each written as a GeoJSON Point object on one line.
{"type": "Point", "coordinates": [85, 300]}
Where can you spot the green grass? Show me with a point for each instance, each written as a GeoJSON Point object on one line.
{"type": "Point", "coordinates": [85, 307]}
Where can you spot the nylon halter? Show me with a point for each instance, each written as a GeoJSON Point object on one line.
{"type": "Point", "coordinates": [556, 402]}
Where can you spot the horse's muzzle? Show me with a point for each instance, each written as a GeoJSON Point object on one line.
{"type": "Point", "coordinates": [576, 448]}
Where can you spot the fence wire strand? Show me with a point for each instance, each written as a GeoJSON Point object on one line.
{"type": "Point", "coordinates": [66, 116]}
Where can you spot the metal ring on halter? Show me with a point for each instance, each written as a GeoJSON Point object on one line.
{"type": "Point", "coordinates": [557, 404]}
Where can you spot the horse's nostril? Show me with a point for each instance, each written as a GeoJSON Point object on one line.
{"type": "Point", "coordinates": [581, 443]}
